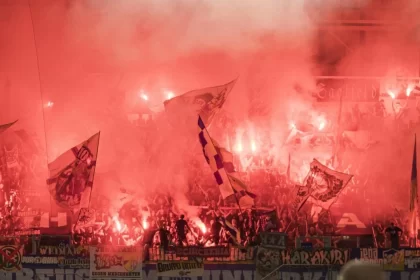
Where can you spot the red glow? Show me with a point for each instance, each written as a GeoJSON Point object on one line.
{"type": "Point", "coordinates": [391, 94]}
{"type": "Point", "coordinates": [144, 96]}
{"type": "Point", "coordinates": [239, 148]}
{"type": "Point", "coordinates": [409, 90]}
{"type": "Point", "coordinates": [145, 224]}
{"type": "Point", "coordinates": [201, 225]}
{"type": "Point", "coordinates": [117, 224]}
{"type": "Point", "coordinates": [253, 146]}
{"type": "Point", "coordinates": [292, 125]}
{"type": "Point", "coordinates": [169, 95]}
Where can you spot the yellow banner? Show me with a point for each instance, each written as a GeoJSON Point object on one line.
{"type": "Point", "coordinates": [180, 269]}
{"type": "Point", "coordinates": [393, 260]}
{"type": "Point", "coordinates": [110, 262]}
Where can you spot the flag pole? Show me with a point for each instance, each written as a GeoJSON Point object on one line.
{"type": "Point", "coordinates": [93, 177]}
{"type": "Point", "coordinates": [335, 152]}
{"type": "Point", "coordinates": [40, 88]}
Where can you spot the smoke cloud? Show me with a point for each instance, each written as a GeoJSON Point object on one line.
{"type": "Point", "coordinates": [97, 57]}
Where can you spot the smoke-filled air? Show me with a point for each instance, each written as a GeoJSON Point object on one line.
{"type": "Point", "coordinates": [308, 83]}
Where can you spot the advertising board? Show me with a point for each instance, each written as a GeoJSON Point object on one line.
{"type": "Point", "coordinates": [321, 264]}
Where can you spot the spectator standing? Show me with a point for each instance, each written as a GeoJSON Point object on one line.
{"type": "Point", "coordinates": [181, 225]}
{"type": "Point", "coordinates": [394, 233]}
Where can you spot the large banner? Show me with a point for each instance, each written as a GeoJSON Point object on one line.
{"type": "Point", "coordinates": [180, 269]}
{"type": "Point", "coordinates": [64, 256]}
{"type": "Point", "coordinates": [211, 272]}
{"type": "Point", "coordinates": [354, 90]}
{"type": "Point", "coordinates": [121, 262]}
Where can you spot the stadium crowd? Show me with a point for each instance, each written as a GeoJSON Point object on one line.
{"type": "Point", "coordinates": [161, 225]}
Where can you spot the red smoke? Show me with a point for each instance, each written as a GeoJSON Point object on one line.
{"type": "Point", "coordinates": [70, 69]}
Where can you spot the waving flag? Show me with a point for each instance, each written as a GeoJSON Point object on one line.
{"type": "Point", "coordinates": [322, 186]}
{"type": "Point", "coordinates": [244, 197]}
{"type": "Point", "coordinates": [72, 173]}
{"type": "Point", "coordinates": [205, 102]}
{"type": "Point", "coordinates": [220, 161]}
{"type": "Point", "coordinates": [3, 127]}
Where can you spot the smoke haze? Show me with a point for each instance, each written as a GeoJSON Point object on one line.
{"type": "Point", "coordinates": [97, 57]}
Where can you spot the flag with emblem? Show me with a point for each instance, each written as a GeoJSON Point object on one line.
{"type": "Point", "coordinates": [205, 102]}
{"type": "Point", "coordinates": [322, 186]}
{"type": "Point", "coordinates": [71, 175]}
{"type": "Point", "coordinates": [4, 127]}
{"type": "Point", "coordinates": [86, 218]}
{"type": "Point", "coordinates": [230, 186]}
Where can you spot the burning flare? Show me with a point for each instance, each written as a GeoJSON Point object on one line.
{"type": "Point", "coordinates": [145, 224]}
{"type": "Point", "coordinates": [169, 95]}
{"type": "Point", "coordinates": [391, 94]}
{"type": "Point", "coordinates": [408, 90]}
{"type": "Point", "coordinates": [253, 146]}
{"type": "Point", "coordinates": [321, 126]}
{"type": "Point", "coordinates": [117, 224]}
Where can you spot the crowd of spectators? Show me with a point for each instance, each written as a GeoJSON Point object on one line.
{"type": "Point", "coordinates": [161, 224]}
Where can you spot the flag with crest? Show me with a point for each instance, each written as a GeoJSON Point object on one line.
{"type": "Point", "coordinates": [221, 163]}
{"type": "Point", "coordinates": [86, 218]}
{"type": "Point", "coordinates": [322, 186]}
{"type": "Point", "coordinates": [71, 175]}
{"type": "Point", "coordinates": [206, 102]}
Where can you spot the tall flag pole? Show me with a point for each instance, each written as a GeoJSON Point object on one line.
{"type": "Point", "coordinates": [72, 173]}
{"type": "Point", "coordinates": [338, 131]}
{"type": "Point", "coordinates": [221, 163]}
{"type": "Point", "coordinates": [414, 192]}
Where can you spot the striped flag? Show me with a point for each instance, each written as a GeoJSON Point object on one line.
{"type": "Point", "coordinates": [221, 164]}
{"type": "Point", "coordinates": [244, 197]}
{"type": "Point", "coordinates": [226, 156]}
{"type": "Point", "coordinates": [206, 102]}
{"type": "Point", "coordinates": [3, 127]}
{"type": "Point", "coordinates": [71, 175]}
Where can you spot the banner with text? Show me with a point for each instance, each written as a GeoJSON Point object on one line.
{"type": "Point", "coordinates": [121, 262]}
{"type": "Point", "coordinates": [268, 259]}
{"type": "Point", "coordinates": [348, 90]}
{"type": "Point", "coordinates": [180, 269]}
{"type": "Point", "coordinates": [211, 272]}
